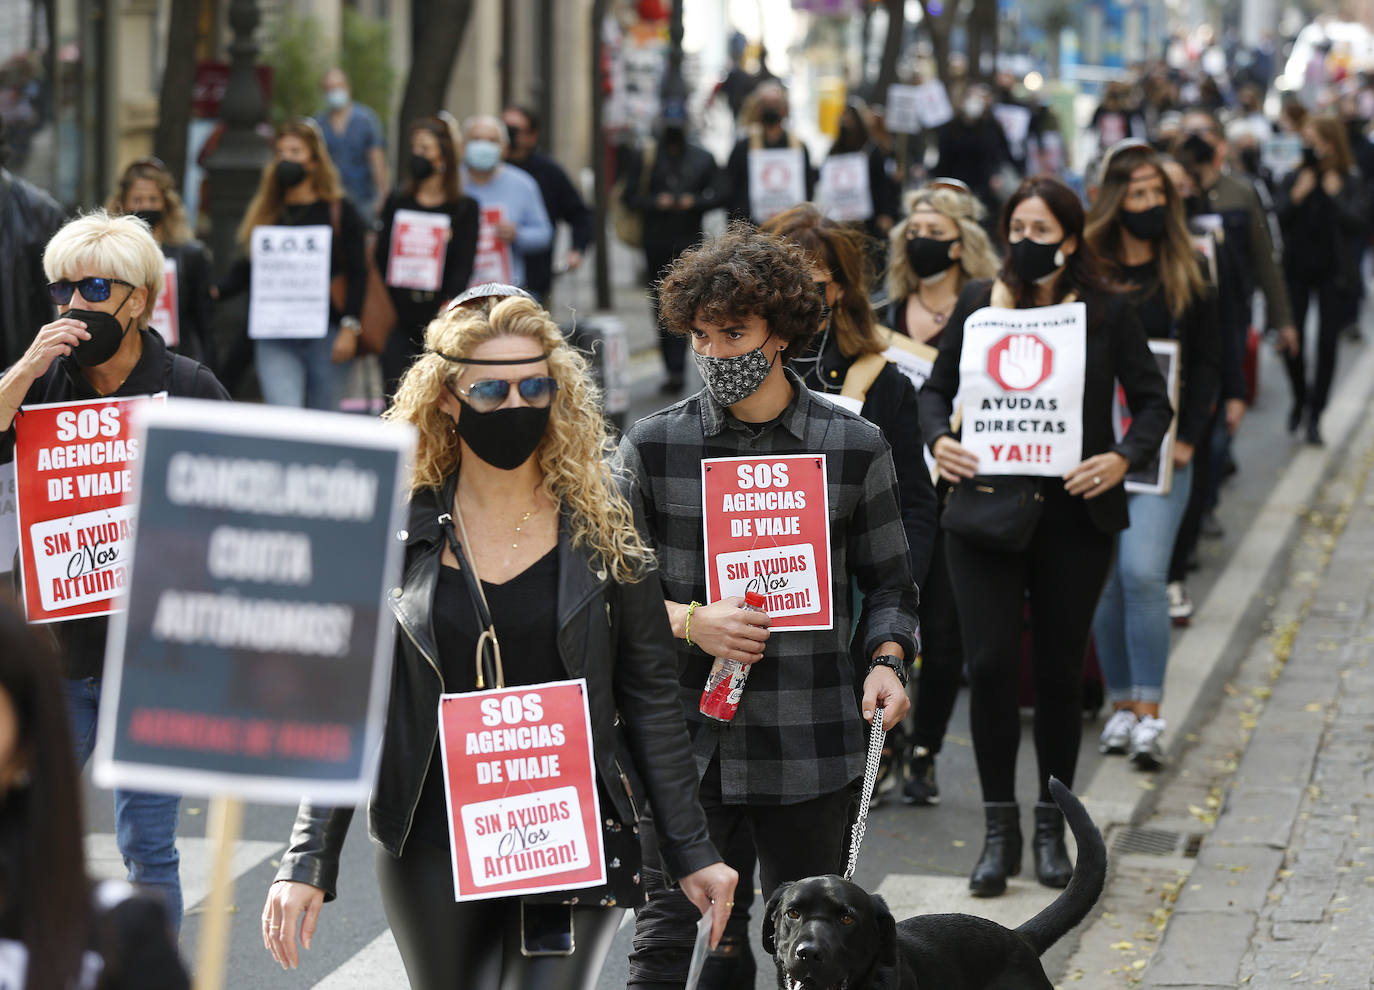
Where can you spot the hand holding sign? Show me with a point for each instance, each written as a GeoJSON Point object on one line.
{"type": "Point", "coordinates": [1098, 474]}
{"type": "Point", "coordinates": [954, 460]}
{"type": "Point", "coordinates": [1021, 364]}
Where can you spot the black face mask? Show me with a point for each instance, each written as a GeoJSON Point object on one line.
{"type": "Point", "coordinates": [929, 257]}
{"type": "Point", "coordinates": [1193, 205]}
{"type": "Point", "coordinates": [151, 217]}
{"type": "Point", "coordinates": [675, 135]}
{"type": "Point", "coordinates": [289, 175]}
{"type": "Point", "coordinates": [504, 438]}
{"type": "Point", "coordinates": [421, 168]}
{"type": "Point", "coordinates": [1198, 150]}
{"type": "Point", "coordinates": [107, 333]}
{"type": "Point", "coordinates": [770, 117]}
{"type": "Point", "coordinates": [1309, 156]}
{"type": "Point", "coordinates": [1250, 160]}
{"type": "Point", "coordinates": [1032, 260]}
{"type": "Point", "coordinates": [1147, 225]}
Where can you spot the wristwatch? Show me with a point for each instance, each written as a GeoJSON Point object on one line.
{"type": "Point", "coordinates": [896, 664]}
{"type": "Point", "coordinates": [351, 323]}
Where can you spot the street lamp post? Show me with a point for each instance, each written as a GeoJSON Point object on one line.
{"type": "Point", "coordinates": [235, 165]}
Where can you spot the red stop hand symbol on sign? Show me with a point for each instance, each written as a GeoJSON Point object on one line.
{"type": "Point", "coordinates": [1020, 361]}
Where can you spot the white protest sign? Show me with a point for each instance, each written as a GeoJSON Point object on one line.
{"type": "Point", "coordinates": [912, 358]}
{"type": "Point", "coordinates": [1157, 477]}
{"type": "Point", "coordinates": [9, 517]}
{"type": "Point", "coordinates": [777, 181]}
{"type": "Point", "coordinates": [166, 311]}
{"type": "Point", "coordinates": [1021, 374]}
{"type": "Point", "coordinates": [1015, 121]}
{"type": "Point", "coordinates": [932, 104]}
{"type": "Point", "coordinates": [419, 243]}
{"type": "Point", "coordinates": [1281, 154]}
{"type": "Point", "coordinates": [492, 262]}
{"type": "Point", "coordinates": [900, 115]}
{"type": "Point", "coordinates": [289, 295]}
{"type": "Point", "coordinates": [844, 192]}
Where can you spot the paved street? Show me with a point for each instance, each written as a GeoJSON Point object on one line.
{"type": "Point", "coordinates": [919, 858]}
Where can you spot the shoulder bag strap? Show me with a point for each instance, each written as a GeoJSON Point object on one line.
{"type": "Point", "coordinates": [861, 376]}
{"type": "Point", "coordinates": [490, 672]}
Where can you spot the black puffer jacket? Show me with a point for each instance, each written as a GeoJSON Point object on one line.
{"type": "Point", "coordinates": [28, 219]}
{"type": "Point", "coordinates": [615, 635]}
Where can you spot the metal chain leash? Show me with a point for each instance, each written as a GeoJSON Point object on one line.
{"type": "Point", "coordinates": [875, 756]}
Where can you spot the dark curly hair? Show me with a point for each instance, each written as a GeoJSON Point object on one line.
{"type": "Point", "coordinates": [739, 274]}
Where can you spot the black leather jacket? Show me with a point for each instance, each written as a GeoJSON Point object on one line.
{"type": "Point", "coordinates": [615, 635]}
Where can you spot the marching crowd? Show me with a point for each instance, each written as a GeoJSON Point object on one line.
{"type": "Point", "coordinates": [853, 339]}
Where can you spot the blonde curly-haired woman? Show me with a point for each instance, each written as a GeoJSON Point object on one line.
{"type": "Point", "coordinates": [512, 447]}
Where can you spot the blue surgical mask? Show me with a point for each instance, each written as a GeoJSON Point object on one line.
{"type": "Point", "coordinates": [336, 99]}
{"type": "Point", "coordinates": [482, 156]}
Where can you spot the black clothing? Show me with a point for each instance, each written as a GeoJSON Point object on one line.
{"type": "Point", "coordinates": [28, 219]}
{"type": "Point", "coordinates": [973, 152]}
{"type": "Point", "coordinates": [1062, 574]}
{"type": "Point", "coordinates": [194, 304]}
{"type": "Point", "coordinates": [616, 635]}
{"type": "Point", "coordinates": [1116, 351]}
{"type": "Point", "coordinates": [563, 203]}
{"type": "Point", "coordinates": [737, 172]}
{"type": "Point", "coordinates": [347, 256]}
{"type": "Point", "coordinates": [82, 641]}
{"type": "Point", "coordinates": [942, 652]}
{"type": "Point", "coordinates": [414, 307]}
{"type": "Point", "coordinates": [890, 405]}
{"type": "Point", "coordinates": [1199, 334]}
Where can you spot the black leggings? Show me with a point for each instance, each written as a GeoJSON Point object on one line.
{"type": "Point", "coordinates": [942, 653]}
{"type": "Point", "coordinates": [1063, 570]}
{"type": "Point", "coordinates": [1336, 309]}
{"type": "Point", "coordinates": [476, 944]}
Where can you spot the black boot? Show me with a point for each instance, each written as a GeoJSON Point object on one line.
{"type": "Point", "coordinates": [1052, 865]}
{"type": "Point", "coordinates": [1001, 856]}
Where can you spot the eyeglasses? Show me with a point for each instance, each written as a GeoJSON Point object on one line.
{"type": "Point", "coordinates": [93, 289]}
{"type": "Point", "coordinates": [490, 393]}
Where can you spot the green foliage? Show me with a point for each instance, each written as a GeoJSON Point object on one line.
{"type": "Point", "coordinates": [366, 57]}
{"type": "Point", "coordinates": [297, 62]}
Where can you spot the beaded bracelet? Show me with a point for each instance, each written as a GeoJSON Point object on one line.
{"type": "Point", "coordinates": [687, 626]}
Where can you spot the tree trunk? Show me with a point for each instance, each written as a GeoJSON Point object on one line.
{"type": "Point", "coordinates": [437, 29]}
{"type": "Point", "coordinates": [892, 48]}
{"type": "Point", "coordinates": [178, 80]}
{"type": "Point", "coordinates": [983, 26]}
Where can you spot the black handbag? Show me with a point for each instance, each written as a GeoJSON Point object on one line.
{"type": "Point", "coordinates": [994, 513]}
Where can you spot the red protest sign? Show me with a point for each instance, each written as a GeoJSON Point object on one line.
{"type": "Point", "coordinates": [492, 263]}
{"type": "Point", "coordinates": [165, 318]}
{"type": "Point", "coordinates": [74, 481]}
{"type": "Point", "coordinates": [523, 811]}
{"type": "Point", "coordinates": [419, 240]}
{"type": "Point", "coordinates": [767, 528]}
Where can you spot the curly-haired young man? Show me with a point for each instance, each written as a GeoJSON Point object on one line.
{"type": "Point", "coordinates": [777, 781]}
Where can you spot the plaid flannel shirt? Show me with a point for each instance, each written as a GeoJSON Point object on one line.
{"type": "Point", "coordinates": [798, 733]}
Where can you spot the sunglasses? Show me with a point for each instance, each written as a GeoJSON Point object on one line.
{"type": "Point", "coordinates": [93, 289]}
{"type": "Point", "coordinates": [490, 393]}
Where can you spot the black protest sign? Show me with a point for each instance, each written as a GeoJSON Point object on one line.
{"type": "Point", "coordinates": [254, 655]}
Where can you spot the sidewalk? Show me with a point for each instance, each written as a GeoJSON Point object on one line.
{"type": "Point", "coordinates": [1251, 863]}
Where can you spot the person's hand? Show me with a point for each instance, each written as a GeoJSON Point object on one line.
{"type": "Point", "coordinates": [1235, 412]}
{"type": "Point", "coordinates": [883, 690]}
{"type": "Point", "coordinates": [1099, 473]}
{"type": "Point", "coordinates": [573, 259]}
{"type": "Point", "coordinates": [289, 904]}
{"type": "Point", "coordinates": [664, 201]}
{"type": "Point", "coordinates": [53, 340]}
{"type": "Point", "coordinates": [1331, 182]}
{"type": "Point", "coordinates": [345, 346]}
{"type": "Point", "coordinates": [1289, 342]}
{"type": "Point", "coordinates": [727, 629]}
{"type": "Point", "coordinates": [712, 888]}
{"type": "Point", "coordinates": [955, 461]}
{"type": "Point", "coordinates": [1304, 184]}
{"type": "Point", "coordinates": [1183, 453]}
{"type": "Point", "coordinates": [686, 201]}
{"type": "Point", "coordinates": [506, 231]}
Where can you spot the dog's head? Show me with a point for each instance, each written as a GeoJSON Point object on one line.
{"type": "Point", "coordinates": [826, 933]}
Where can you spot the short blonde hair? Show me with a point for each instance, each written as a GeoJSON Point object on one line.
{"type": "Point", "coordinates": [976, 260]}
{"type": "Point", "coordinates": [119, 247]}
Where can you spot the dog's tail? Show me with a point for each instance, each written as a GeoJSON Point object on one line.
{"type": "Point", "coordinates": [1089, 876]}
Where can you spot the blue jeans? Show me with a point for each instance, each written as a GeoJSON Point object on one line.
{"type": "Point", "coordinates": [145, 824]}
{"type": "Point", "coordinates": [1131, 627]}
{"type": "Point", "coordinates": [300, 373]}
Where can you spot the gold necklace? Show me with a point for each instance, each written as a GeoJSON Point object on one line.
{"type": "Point", "coordinates": [523, 519]}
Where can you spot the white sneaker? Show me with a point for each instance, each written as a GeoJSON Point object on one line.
{"type": "Point", "coordinates": [1180, 605]}
{"type": "Point", "coordinates": [1116, 734]}
{"type": "Point", "coordinates": [1146, 752]}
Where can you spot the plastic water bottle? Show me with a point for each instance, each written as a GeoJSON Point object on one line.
{"type": "Point", "coordinates": [725, 685]}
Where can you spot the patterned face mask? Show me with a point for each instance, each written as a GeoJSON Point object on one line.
{"type": "Point", "coordinates": [733, 379]}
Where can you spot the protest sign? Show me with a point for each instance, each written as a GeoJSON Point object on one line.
{"type": "Point", "coordinates": [767, 529]}
{"type": "Point", "coordinates": [1021, 376]}
{"type": "Point", "coordinates": [933, 108]}
{"type": "Point", "coordinates": [913, 358]}
{"type": "Point", "coordinates": [1157, 477]}
{"type": "Point", "coordinates": [254, 655]}
{"type": "Point", "coordinates": [1281, 154]}
{"type": "Point", "coordinates": [9, 518]}
{"type": "Point", "coordinates": [166, 317]}
{"type": "Point", "coordinates": [1015, 120]}
{"type": "Point", "coordinates": [289, 291]}
{"type": "Point", "coordinates": [492, 262]}
{"type": "Point", "coordinates": [419, 242]}
{"type": "Point", "coordinates": [520, 783]}
{"type": "Point", "coordinates": [844, 192]}
{"type": "Point", "coordinates": [73, 466]}
{"type": "Point", "coordinates": [777, 181]}
{"type": "Point", "coordinates": [900, 114]}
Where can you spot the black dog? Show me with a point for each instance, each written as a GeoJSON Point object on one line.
{"type": "Point", "coordinates": [825, 933]}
